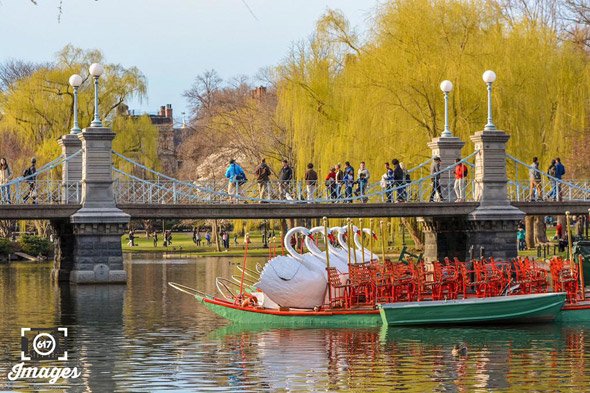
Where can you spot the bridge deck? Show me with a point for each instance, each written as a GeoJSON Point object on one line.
{"type": "Point", "coordinates": [288, 210]}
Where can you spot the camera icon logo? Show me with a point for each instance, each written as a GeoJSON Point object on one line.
{"type": "Point", "coordinates": [43, 344]}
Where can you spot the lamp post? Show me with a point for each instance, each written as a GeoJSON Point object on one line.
{"type": "Point", "coordinates": [446, 87]}
{"type": "Point", "coordinates": [489, 77]}
{"type": "Point", "coordinates": [96, 71]}
{"type": "Point", "coordinates": [75, 81]}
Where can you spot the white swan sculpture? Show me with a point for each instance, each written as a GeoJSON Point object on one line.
{"type": "Point", "coordinates": [296, 281]}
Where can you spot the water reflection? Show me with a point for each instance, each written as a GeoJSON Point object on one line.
{"type": "Point", "coordinates": [147, 337]}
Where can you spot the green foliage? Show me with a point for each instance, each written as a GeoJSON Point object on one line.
{"type": "Point", "coordinates": [6, 247]}
{"type": "Point", "coordinates": [373, 101]}
{"type": "Point", "coordinates": [35, 245]}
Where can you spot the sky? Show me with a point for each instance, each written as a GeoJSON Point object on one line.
{"type": "Point", "coordinates": [170, 41]}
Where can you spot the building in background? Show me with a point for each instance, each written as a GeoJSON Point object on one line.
{"type": "Point", "coordinates": [169, 139]}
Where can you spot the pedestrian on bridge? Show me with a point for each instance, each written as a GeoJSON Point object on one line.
{"type": "Point", "coordinates": [311, 182]}
{"type": "Point", "coordinates": [285, 179]}
{"type": "Point", "coordinates": [435, 173]}
{"type": "Point", "coordinates": [387, 183]}
{"type": "Point", "coordinates": [5, 176]}
{"type": "Point", "coordinates": [398, 180]}
{"type": "Point", "coordinates": [339, 181]}
{"type": "Point", "coordinates": [535, 181]}
{"type": "Point", "coordinates": [559, 172]}
{"type": "Point", "coordinates": [362, 181]}
{"type": "Point", "coordinates": [348, 181]}
{"type": "Point", "coordinates": [460, 185]}
{"type": "Point", "coordinates": [331, 184]}
{"type": "Point", "coordinates": [263, 173]}
{"type": "Point", "coordinates": [236, 176]}
{"type": "Point", "coordinates": [30, 174]}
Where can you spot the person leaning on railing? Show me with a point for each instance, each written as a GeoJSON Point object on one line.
{"type": "Point", "coordinates": [461, 172]}
{"type": "Point", "coordinates": [535, 181]}
{"type": "Point", "coordinates": [434, 172]}
{"type": "Point", "coordinates": [30, 172]}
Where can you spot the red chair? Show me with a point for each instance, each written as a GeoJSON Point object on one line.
{"type": "Point", "coordinates": [338, 293]}
{"type": "Point", "coordinates": [361, 285]}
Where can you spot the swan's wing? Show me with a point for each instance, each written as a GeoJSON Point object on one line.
{"type": "Point", "coordinates": [290, 284]}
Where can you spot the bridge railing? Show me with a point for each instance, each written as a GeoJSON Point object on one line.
{"type": "Point", "coordinates": [163, 189]}
{"type": "Point", "coordinates": [45, 186]}
{"type": "Point", "coordinates": [545, 187]}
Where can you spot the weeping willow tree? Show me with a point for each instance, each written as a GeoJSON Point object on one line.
{"type": "Point", "coordinates": [343, 99]}
{"type": "Point", "coordinates": [36, 107]}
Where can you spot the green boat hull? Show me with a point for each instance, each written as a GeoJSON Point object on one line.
{"type": "Point", "coordinates": [300, 319]}
{"type": "Point", "coordinates": [517, 309]}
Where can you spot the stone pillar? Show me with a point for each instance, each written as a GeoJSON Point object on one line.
{"type": "Point", "coordinates": [448, 149]}
{"type": "Point", "coordinates": [492, 225]}
{"type": "Point", "coordinates": [71, 169]}
{"type": "Point", "coordinates": [97, 227]}
{"type": "Point", "coordinates": [445, 237]}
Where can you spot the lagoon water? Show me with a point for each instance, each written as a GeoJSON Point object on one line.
{"type": "Point", "coordinates": [147, 337]}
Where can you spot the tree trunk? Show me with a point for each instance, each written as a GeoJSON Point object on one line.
{"type": "Point", "coordinates": [414, 230]}
{"type": "Point", "coordinates": [216, 236]}
{"type": "Point", "coordinates": [148, 225]}
{"type": "Point", "coordinates": [540, 230]}
{"type": "Point", "coordinates": [529, 224]}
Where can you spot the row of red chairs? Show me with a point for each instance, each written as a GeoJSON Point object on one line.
{"type": "Point", "coordinates": [372, 282]}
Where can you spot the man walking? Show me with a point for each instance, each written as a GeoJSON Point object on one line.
{"type": "Point", "coordinates": [30, 172]}
{"type": "Point", "coordinates": [535, 181]}
{"type": "Point", "coordinates": [285, 179]}
{"type": "Point", "coordinates": [559, 172]}
{"type": "Point", "coordinates": [460, 180]}
{"type": "Point", "coordinates": [262, 177]}
{"type": "Point", "coordinates": [434, 172]}
{"type": "Point", "coordinates": [398, 180]}
{"type": "Point", "coordinates": [311, 182]}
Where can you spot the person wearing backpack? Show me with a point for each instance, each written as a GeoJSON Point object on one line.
{"type": "Point", "coordinates": [30, 172]}
{"type": "Point", "coordinates": [236, 177]}
{"type": "Point", "coordinates": [263, 178]}
{"type": "Point", "coordinates": [460, 185]}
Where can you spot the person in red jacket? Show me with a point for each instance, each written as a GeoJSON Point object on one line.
{"type": "Point", "coordinates": [460, 180]}
{"type": "Point", "coordinates": [331, 184]}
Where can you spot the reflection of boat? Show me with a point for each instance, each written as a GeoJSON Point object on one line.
{"type": "Point", "coordinates": [516, 308]}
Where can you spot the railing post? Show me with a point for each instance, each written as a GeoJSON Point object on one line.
{"type": "Point", "coordinates": [72, 167]}
{"type": "Point", "coordinates": [448, 149]}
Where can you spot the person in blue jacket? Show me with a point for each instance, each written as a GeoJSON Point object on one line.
{"type": "Point", "coordinates": [236, 177]}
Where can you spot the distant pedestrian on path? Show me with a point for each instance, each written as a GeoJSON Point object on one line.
{"type": "Point", "coordinates": [521, 236]}
{"type": "Point", "coordinates": [263, 173]}
{"type": "Point", "coordinates": [536, 192]}
{"type": "Point", "coordinates": [311, 182]}
{"type": "Point", "coordinates": [208, 238]}
{"type": "Point", "coordinates": [131, 238]}
{"type": "Point", "coordinates": [434, 172]}
{"type": "Point", "coordinates": [460, 185]}
{"type": "Point", "coordinates": [5, 176]}
{"type": "Point", "coordinates": [155, 238]}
